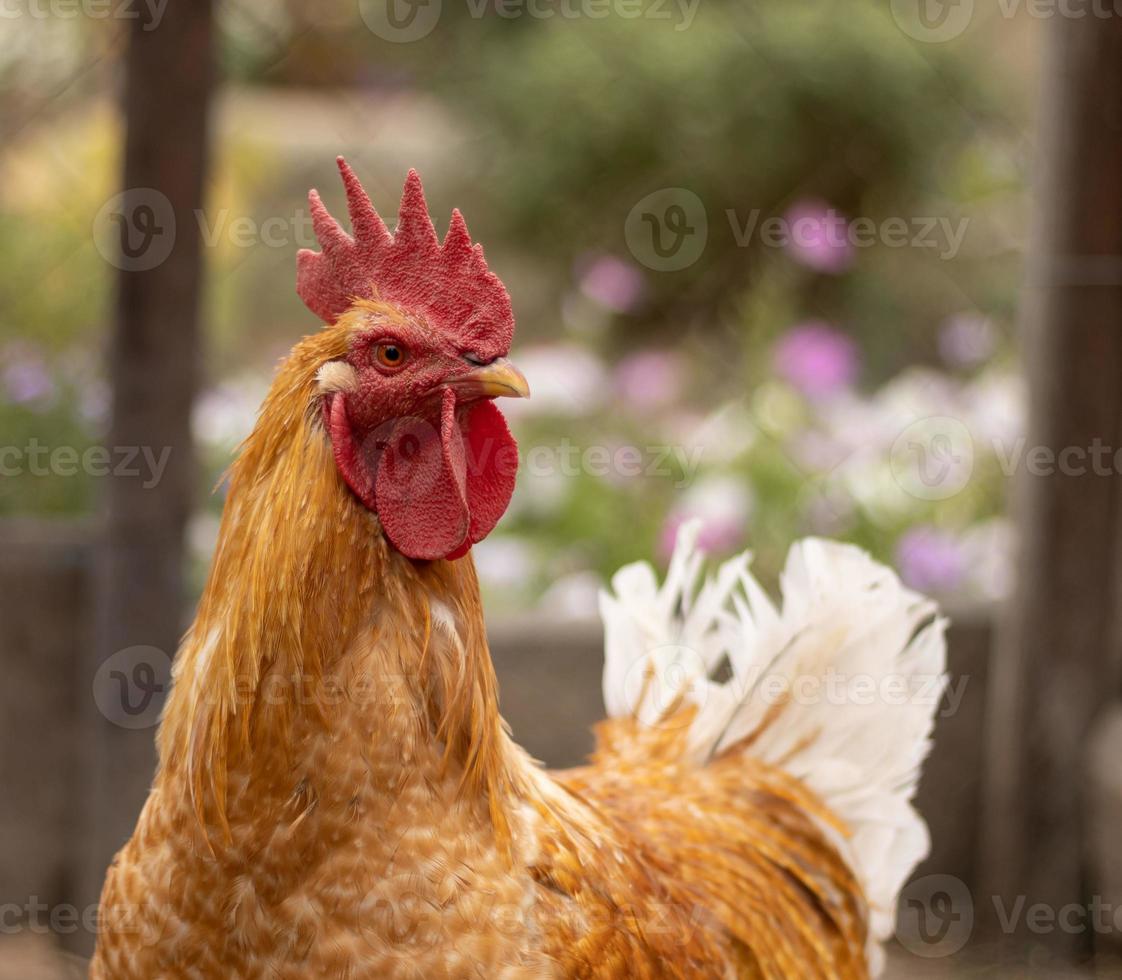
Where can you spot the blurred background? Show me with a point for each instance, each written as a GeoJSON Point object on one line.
{"type": "Point", "coordinates": [796, 269]}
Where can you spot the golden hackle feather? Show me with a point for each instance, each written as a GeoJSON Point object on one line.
{"type": "Point", "coordinates": [297, 568]}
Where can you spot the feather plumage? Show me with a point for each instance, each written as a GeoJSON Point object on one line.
{"type": "Point", "coordinates": [837, 686]}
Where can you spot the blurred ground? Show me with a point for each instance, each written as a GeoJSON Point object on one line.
{"type": "Point", "coordinates": [34, 958]}
{"type": "Point", "coordinates": [30, 957]}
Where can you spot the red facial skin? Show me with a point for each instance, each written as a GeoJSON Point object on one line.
{"type": "Point", "coordinates": [418, 443]}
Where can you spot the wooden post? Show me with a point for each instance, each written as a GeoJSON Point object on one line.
{"type": "Point", "coordinates": [154, 362]}
{"type": "Point", "coordinates": [1059, 652]}
{"type": "Point", "coordinates": [44, 601]}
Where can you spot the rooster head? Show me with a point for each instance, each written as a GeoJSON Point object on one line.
{"type": "Point", "coordinates": [409, 408]}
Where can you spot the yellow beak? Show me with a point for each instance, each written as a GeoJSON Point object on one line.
{"type": "Point", "coordinates": [498, 379]}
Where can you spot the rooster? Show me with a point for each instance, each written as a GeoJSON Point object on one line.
{"type": "Point", "coordinates": [337, 795]}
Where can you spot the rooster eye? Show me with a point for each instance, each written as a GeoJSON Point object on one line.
{"type": "Point", "coordinates": [390, 356]}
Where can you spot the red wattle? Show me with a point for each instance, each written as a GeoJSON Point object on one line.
{"type": "Point", "coordinates": [420, 485]}
{"type": "Point", "coordinates": [492, 466]}
{"type": "Point", "coordinates": [436, 493]}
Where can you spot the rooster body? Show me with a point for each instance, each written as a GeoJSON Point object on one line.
{"type": "Point", "coordinates": [337, 795]}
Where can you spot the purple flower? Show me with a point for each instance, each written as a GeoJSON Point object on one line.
{"type": "Point", "coordinates": [817, 237]}
{"type": "Point", "coordinates": [613, 283]}
{"type": "Point", "coordinates": [817, 359]}
{"type": "Point", "coordinates": [967, 340]}
{"type": "Point", "coordinates": [723, 504]}
{"type": "Point", "coordinates": [930, 560]}
{"type": "Point", "coordinates": [649, 379]}
{"type": "Point", "coordinates": [26, 378]}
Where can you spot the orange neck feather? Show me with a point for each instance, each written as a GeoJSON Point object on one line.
{"type": "Point", "coordinates": [300, 570]}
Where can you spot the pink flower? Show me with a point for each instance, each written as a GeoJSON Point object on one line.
{"type": "Point", "coordinates": [613, 283]}
{"type": "Point", "coordinates": [967, 340]}
{"type": "Point", "coordinates": [724, 506]}
{"type": "Point", "coordinates": [930, 560]}
{"type": "Point", "coordinates": [817, 237]}
{"type": "Point", "coordinates": [649, 379]}
{"type": "Point", "coordinates": [817, 359]}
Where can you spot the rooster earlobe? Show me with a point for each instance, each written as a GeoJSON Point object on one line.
{"type": "Point", "coordinates": [336, 376]}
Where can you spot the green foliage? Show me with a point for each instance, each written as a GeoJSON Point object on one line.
{"type": "Point", "coordinates": [751, 107]}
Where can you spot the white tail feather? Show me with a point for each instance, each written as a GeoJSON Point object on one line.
{"type": "Point", "coordinates": [857, 658]}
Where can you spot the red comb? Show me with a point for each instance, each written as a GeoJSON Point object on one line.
{"type": "Point", "coordinates": [449, 284]}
